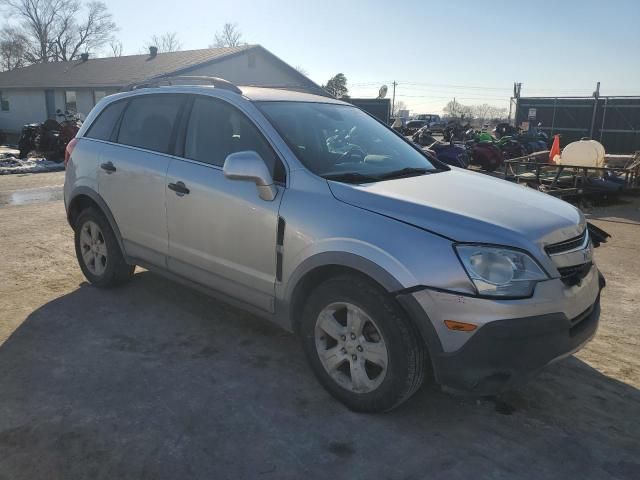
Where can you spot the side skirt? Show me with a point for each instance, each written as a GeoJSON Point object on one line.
{"type": "Point", "coordinates": [234, 302]}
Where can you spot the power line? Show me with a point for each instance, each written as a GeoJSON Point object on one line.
{"type": "Point", "coordinates": [478, 97]}
{"type": "Point", "coordinates": [428, 84]}
{"type": "Point", "coordinates": [444, 94]}
{"type": "Point", "coordinates": [444, 85]}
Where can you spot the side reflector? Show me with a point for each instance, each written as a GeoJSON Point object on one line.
{"type": "Point", "coordinates": [460, 326]}
{"type": "Point", "coordinates": [67, 151]}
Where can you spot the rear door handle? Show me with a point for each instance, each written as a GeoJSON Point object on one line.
{"type": "Point", "coordinates": [108, 167]}
{"type": "Point", "coordinates": [180, 188]}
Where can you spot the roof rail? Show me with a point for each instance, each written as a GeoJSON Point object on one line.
{"type": "Point", "coordinates": [215, 81]}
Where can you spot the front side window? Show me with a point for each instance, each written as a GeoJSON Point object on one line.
{"type": "Point", "coordinates": [217, 129]}
{"type": "Point", "coordinates": [341, 142]}
{"type": "Point", "coordinates": [70, 104]}
{"type": "Point", "coordinates": [148, 122]}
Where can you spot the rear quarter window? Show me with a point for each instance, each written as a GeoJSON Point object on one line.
{"type": "Point", "coordinates": [103, 126]}
{"type": "Point", "coordinates": [149, 120]}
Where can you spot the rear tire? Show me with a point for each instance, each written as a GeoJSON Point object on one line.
{"type": "Point", "coordinates": [98, 251]}
{"type": "Point", "coordinates": [371, 368]}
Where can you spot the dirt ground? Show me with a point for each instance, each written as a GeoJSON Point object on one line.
{"type": "Point", "coordinates": [154, 381]}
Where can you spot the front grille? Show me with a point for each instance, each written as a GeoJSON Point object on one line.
{"type": "Point", "coordinates": [573, 275]}
{"type": "Point", "coordinates": [567, 245]}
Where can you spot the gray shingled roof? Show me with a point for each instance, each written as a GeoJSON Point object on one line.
{"type": "Point", "coordinates": [112, 71]}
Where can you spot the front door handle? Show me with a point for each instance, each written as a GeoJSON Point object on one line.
{"type": "Point", "coordinates": [180, 188]}
{"type": "Point", "coordinates": [108, 167]}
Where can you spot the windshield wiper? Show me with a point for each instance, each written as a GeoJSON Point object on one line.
{"type": "Point", "coordinates": [351, 177]}
{"type": "Point", "coordinates": [406, 172]}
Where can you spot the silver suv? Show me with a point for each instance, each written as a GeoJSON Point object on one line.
{"type": "Point", "coordinates": [305, 210]}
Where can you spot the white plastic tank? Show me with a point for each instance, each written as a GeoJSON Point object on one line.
{"type": "Point", "coordinates": [584, 153]}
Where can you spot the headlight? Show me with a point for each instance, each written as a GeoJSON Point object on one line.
{"type": "Point", "coordinates": [500, 272]}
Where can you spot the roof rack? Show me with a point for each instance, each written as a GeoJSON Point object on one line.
{"type": "Point", "coordinates": [215, 81]}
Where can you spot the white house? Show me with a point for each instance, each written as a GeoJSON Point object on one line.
{"type": "Point", "coordinates": [34, 93]}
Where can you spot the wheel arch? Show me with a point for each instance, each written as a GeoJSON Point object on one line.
{"type": "Point", "coordinates": [318, 268]}
{"type": "Point", "coordinates": [323, 266]}
{"type": "Point", "coordinates": [84, 197]}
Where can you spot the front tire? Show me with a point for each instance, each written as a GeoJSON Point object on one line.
{"type": "Point", "coordinates": [98, 251]}
{"type": "Point", "coordinates": [361, 346]}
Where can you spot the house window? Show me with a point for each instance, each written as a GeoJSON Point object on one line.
{"type": "Point", "coordinates": [70, 101]}
{"type": "Point", "coordinates": [98, 95]}
{"type": "Point", "coordinates": [251, 58]}
{"type": "Point", "coordinates": [4, 103]}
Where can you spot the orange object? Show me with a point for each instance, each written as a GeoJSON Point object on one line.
{"type": "Point", "coordinates": [460, 326]}
{"type": "Point", "coordinates": [555, 149]}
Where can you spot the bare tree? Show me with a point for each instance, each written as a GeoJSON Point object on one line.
{"type": "Point", "coordinates": [399, 105]}
{"type": "Point", "coordinates": [13, 47]}
{"type": "Point", "coordinates": [497, 113]}
{"type": "Point", "coordinates": [75, 37]}
{"type": "Point", "coordinates": [54, 31]}
{"type": "Point", "coordinates": [230, 36]}
{"type": "Point", "coordinates": [115, 48]}
{"type": "Point", "coordinates": [167, 42]}
{"type": "Point", "coordinates": [455, 109]}
{"type": "Point", "coordinates": [38, 19]}
{"type": "Point", "coordinates": [302, 70]}
{"type": "Point", "coordinates": [481, 112]}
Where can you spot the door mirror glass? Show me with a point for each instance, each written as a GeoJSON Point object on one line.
{"type": "Point", "coordinates": [250, 166]}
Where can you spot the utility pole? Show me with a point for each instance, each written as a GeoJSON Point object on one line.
{"type": "Point", "coordinates": [596, 96]}
{"type": "Point", "coordinates": [516, 95]}
{"type": "Point", "coordinates": [393, 98]}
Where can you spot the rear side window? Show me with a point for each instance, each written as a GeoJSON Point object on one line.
{"type": "Point", "coordinates": [216, 129]}
{"type": "Point", "coordinates": [102, 127]}
{"type": "Point", "coordinates": [148, 122]}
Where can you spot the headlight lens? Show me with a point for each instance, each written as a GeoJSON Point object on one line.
{"type": "Point", "coordinates": [500, 272]}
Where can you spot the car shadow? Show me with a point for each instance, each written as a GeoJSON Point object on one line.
{"type": "Point", "coordinates": [154, 380]}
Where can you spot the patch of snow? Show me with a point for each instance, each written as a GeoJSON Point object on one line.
{"type": "Point", "coordinates": [11, 164]}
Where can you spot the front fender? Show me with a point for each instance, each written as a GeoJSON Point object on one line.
{"type": "Point", "coordinates": [367, 260]}
{"type": "Point", "coordinates": [371, 266]}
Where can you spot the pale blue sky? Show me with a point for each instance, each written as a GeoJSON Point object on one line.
{"type": "Point", "coordinates": [435, 50]}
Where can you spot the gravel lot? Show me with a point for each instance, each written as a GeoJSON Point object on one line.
{"type": "Point", "coordinates": [156, 381]}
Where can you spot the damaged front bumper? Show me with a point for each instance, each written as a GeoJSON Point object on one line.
{"type": "Point", "coordinates": [514, 338]}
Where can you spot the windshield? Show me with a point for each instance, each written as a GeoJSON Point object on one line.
{"type": "Point", "coordinates": [341, 142]}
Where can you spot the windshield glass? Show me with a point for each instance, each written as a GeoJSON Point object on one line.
{"type": "Point", "coordinates": [341, 142]}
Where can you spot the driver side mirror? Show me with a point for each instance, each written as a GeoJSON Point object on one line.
{"type": "Point", "coordinates": [250, 166]}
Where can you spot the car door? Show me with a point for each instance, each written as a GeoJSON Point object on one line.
{"type": "Point", "coordinates": [221, 233]}
{"type": "Point", "coordinates": [132, 175]}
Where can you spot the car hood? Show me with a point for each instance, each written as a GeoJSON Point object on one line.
{"type": "Point", "coordinates": [469, 207]}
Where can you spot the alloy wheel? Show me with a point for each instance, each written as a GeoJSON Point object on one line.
{"type": "Point", "coordinates": [93, 248]}
{"type": "Point", "coordinates": [350, 347]}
